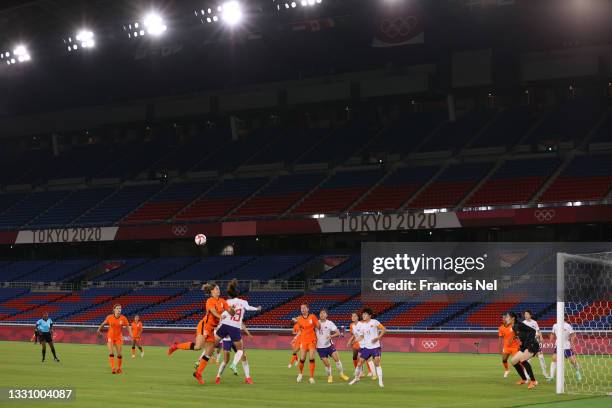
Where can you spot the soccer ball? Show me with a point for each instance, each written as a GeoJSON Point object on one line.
{"type": "Point", "coordinates": [200, 239]}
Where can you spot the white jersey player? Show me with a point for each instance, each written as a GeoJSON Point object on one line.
{"type": "Point", "coordinates": [370, 331]}
{"type": "Point", "coordinates": [231, 326]}
{"type": "Point", "coordinates": [567, 335]}
{"type": "Point", "coordinates": [327, 331]}
{"type": "Point", "coordinates": [529, 321]}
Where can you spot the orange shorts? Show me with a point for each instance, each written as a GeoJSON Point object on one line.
{"type": "Point", "coordinates": [356, 346]}
{"type": "Point", "coordinates": [136, 339]}
{"type": "Point", "coordinates": [510, 351]}
{"type": "Point", "coordinates": [115, 340]}
{"type": "Point", "coordinates": [308, 345]}
{"type": "Point", "coordinates": [207, 331]}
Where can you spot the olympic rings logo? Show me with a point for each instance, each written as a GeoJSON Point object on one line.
{"type": "Point", "coordinates": [544, 215]}
{"type": "Point", "coordinates": [429, 344]}
{"type": "Point", "coordinates": [179, 230]}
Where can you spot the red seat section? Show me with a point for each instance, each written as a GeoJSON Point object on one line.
{"type": "Point", "coordinates": [395, 190]}
{"type": "Point", "coordinates": [339, 192]}
{"type": "Point", "coordinates": [451, 186]}
{"type": "Point", "coordinates": [515, 182]}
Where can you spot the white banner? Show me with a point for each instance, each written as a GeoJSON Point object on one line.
{"type": "Point", "coordinates": [61, 235]}
{"type": "Point", "coordinates": [389, 222]}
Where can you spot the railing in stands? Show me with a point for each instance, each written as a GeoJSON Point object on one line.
{"type": "Point", "coordinates": [252, 285]}
{"type": "Point", "coordinates": [39, 286]}
{"type": "Point", "coordinates": [319, 283]}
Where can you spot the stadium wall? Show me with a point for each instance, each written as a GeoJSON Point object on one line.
{"type": "Point", "coordinates": [410, 342]}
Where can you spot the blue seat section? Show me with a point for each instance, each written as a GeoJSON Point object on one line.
{"type": "Point", "coordinates": [210, 268]}
{"type": "Point", "coordinates": [268, 267]}
{"type": "Point", "coordinates": [571, 121]}
{"type": "Point", "coordinates": [15, 270]}
{"type": "Point", "coordinates": [455, 135]}
{"type": "Point", "coordinates": [540, 167]}
{"type": "Point", "coordinates": [292, 183]}
{"type": "Point", "coordinates": [349, 267]}
{"type": "Point", "coordinates": [186, 155]}
{"type": "Point", "coordinates": [71, 207]}
{"type": "Point", "coordinates": [58, 271]}
{"type": "Point", "coordinates": [155, 269]}
{"type": "Point", "coordinates": [233, 153]}
{"type": "Point", "coordinates": [134, 157]}
{"type": "Point", "coordinates": [406, 134]}
{"type": "Point", "coordinates": [9, 293]}
{"type": "Point", "coordinates": [288, 146]}
{"type": "Point", "coordinates": [7, 200]}
{"type": "Point", "coordinates": [182, 191]}
{"type": "Point", "coordinates": [117, 205]}
{"type": "Point", "coordinates": [340, 144]}
{"type": "Point", "coordinates": [508, 128]}
{"type": "Point", "coordinates": [29, 208]}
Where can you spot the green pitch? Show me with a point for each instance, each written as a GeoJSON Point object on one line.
{"type": "Point", "coordinates": [411, 380]}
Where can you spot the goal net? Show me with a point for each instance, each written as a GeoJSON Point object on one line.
{"type": "Point", "coordinates": [584, 324]}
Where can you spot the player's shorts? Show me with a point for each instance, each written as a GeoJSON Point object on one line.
{"type": "Point", "coordinates": [115, 340]}
{"type": "Point", "coordinates": [567, 352]}
{"type": "Point", "coordinates": [45, 336]}
{"type": "Point", "coordinates": [229, 345]}
{"type": "Point", "coordinates": [512, 350]}
{"type": "Point", "coordinates": [231, 331]}
{"type": "Point", "coordinates": [136, 339]}
{"type": "Point", "coordinates": [366, 353]}
{"type": "Point", "coordinates": [326, 351]}
{"type": "Point", "coordinates": [202, 328]}
{"type": "Point", "coordinates": [308, 345]}
{"type": "Point", "coordinates": [533, 347]}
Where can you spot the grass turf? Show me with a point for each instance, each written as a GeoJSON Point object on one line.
{"type": "Point", "coordinates": [411, 380]}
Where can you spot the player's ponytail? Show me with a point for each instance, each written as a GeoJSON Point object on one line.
{"type": "Point", "coordinates": [232, 288]}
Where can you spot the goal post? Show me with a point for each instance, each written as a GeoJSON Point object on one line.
{"type": "Point", "coordinates": [584, 289]}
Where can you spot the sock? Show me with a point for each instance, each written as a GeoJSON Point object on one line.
{"type": "Point", "coordinates": [237, 357]}
{"type": "Point", "coordinates": [577, 367]}
{"type": "Point", "coordinates": [379, 374]}
{"type": "Point", "coordinates": [527, 366]}
{"type": "Point", "coordinates": [245, 367]}
{"type": "Point", "coordinates": [542, 364]}
{"type": "Point", "coordinates": [203, 361]}
{"type": "Point", "coordinates": [119, 361]}
{"type": "Point", "coordinates": [301, 366]}
{"type": "Point", "coordinates": [355, 362]}
{"type": "Point", "coordinates": [140, 348]}
{"type": "Point", "coordinates": [111, 360]}
{"type": "Point", "coordinates": [553, 369]}
{"type": "Point", "coordinates": [339, 367]}
{"type": "Point", "coordinates": [505, 363]}
{"type": "Point", "coordinates": [328, 371]}
{"type": "Point", "coordinates": [221, 369]}
{"type": "Point", "coordinates": [357, 371]}
{"type": "Point", "coordinates": [312, 368]}
{"type": "Point", "coordinates": [188, 345]}
{"type": "Point", "coordinates": [293, 359]}
{"type": "Point", "coordinates": [371, 367]}
{"type": "Point", "coordinates": [44, 352]}
{"type": "Point", "coordinates": [519, 370]}
{"type": "Point", "coordinates": [133, 351]}
{"type": "Point", "coordinates": [53, 351]}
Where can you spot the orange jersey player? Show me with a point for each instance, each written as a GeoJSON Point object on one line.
{"type": "Point", "coordinates": [295, 345]}
{"type": "Point", "coordinates": [114, 338]}
{"type": "Point", "coordinates": [204, 331]}
{"type": "Point", "coordinates": [215, 306]}
{"type": "Point", "coordinates": [307, 323]}
{"type": "Point", "coordinates": [136, 336]}
{"type": "Point", "coordinates": [508, 344]}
